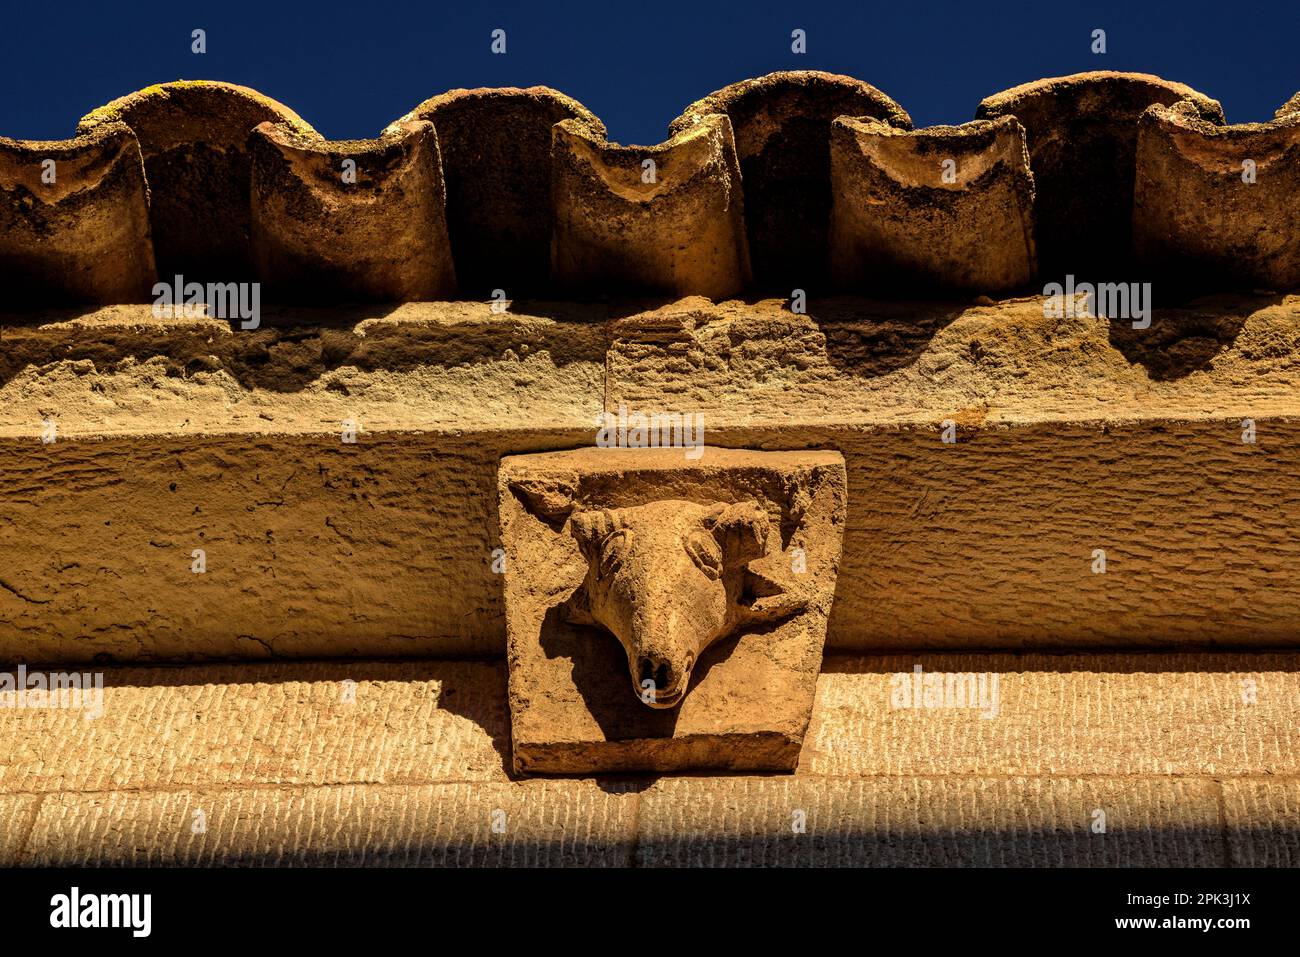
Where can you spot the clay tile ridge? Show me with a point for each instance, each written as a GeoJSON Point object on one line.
{"type": "Point", "coordinates": [795, 180]}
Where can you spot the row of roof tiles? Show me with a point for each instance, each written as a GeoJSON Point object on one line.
{"type": "Point", "coordinates": [800, 179]}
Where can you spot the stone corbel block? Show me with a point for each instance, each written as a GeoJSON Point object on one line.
{"type": "Point", "coordinates": [358, 220]}
{"type": "Point", "coordinates": [664, 611]}
{"type": "Point", "coordinates": [74, 219]}
{"type": "Point", "coordinates": [1082, 132]}
{"type": "Point", "coordinates": [782, 126]}
{"type": "Point", "coordinates": [1216, 206]}
{"type": "Point", "coordinates": [194, 135]}
{"type": "Point", "coordinates": [950, 207]}
{"type": "Point", "coordinates": [666, 218]}
{"type": "Point", "coordinates": [496, 161]}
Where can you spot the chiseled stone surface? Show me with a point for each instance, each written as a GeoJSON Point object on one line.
{"type": "Point", "coordinates": [412, 773]}
{"type": "Point", "coordinates": [929, 822]}
{"type": "Point", "coordinates": [538, 824]}
{"type": "Point", "coordinates": [1263, 820]}
{"type": "Point", "coordinates": [236, 443]}
{"type": "Point", "coordinates": [1072, 434]}
{"type": "Point", "coordinates": [1158, 714]}
{"type": "Point", "coordinates": [268, 724]}
{"type": "Point", "coordinates": [17, 817]}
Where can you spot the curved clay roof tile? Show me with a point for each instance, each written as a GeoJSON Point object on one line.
{"type": "Point", "coordinates": [496, 157]}
{"type": "Point", "coordinates": [1082, 133]}
{"type": "Point", "coordinates": [74, 219]}
{"type": "Point", "coordinates": [193, 134]}
{"type": "Point", "coordinates": [782, 126]}
{"type": "Point", "coordinates": [358, 219]}
{"type": "Point", "coordinates": [949, 207]}
{"type": "Point", "coordinates": [666, 218]}
{"type": "Point", "coordinates": [1215, 205]}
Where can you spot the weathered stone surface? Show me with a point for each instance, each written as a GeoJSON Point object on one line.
{"type": "Point", "coordinates": [84, 237]}
{"type": "Point", "coordinates": [193, 135]}
{"type": "Point", "coordinates": [1068, 438]}
{"type": "Point", "coordinates": [375, 230]}
{"type": "Point", "coordinates": [676, 227]}
{"type": "Point", "coordinates": [379, 546]}
{"type": "Point", "coordinates": [949, 207]}
{"type": "Point", "coordinates": [619, 540]}
{"type": "Point", "coordinates": [17, 816]}
{"type": "Point", "coordinates": [1082, 133]}
{"type": "Point", "coordinates": [265, 723]}
{"type": "Point", "coordinates": [1225, 714]}
{"type": "Point", "coordinates": [922, 822]}
{"type": "Point", "coordinates": [1072, 434]}
{"type": "Point", "coordinates": [539, 824]}
{"type": "Point", "coordinates": [496, 159]}
{"type": "Point", "coordinates": [1215, 206]}
{"type": "Point", "coordinates": [782, 126]}
{"type": "Point", "coordinates": [412, 772]}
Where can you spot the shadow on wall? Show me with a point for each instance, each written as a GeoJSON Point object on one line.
{"type": "Point", "coordinates": [292, 348]}
{"type": "Point", "coordinates": [1186, 339]}
{"type": "Point", "coordinates": [325, 843]}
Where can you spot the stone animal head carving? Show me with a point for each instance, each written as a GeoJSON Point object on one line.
{"type": "Point", "coordinates": [669, 579]}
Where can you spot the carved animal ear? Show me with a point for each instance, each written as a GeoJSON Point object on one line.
{"type": "Point", "coordinates": [550, 499]}
{"type": "Point", "coordinates": [577, 610]}
{"type": "Point", "coordinates": [740, 530]}
{"type": "Point", "coordinates": [590, 529]}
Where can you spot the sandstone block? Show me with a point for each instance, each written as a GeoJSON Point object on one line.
{"type": "Point", "coordinates": [706, 583]}
{"type": "Point", "coordinates": [1263, 822]}
{"type": "Point", "coordinates": [536, 824]}
{"type": "Point", "coordinates": [919, 822]}
{"type": "Point", "coordinates": [263, 723]}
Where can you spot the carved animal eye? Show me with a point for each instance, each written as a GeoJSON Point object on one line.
{"type": "Point", "coordinates": [704, 551]}
{"type": "Point", "coordinates": [612, 551]}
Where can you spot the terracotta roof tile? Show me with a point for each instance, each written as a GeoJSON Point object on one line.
{"type": "Point", "coordinates": [74, 218]}
{"type": "Point", "coordinates": [768, 183]}
{"type": "Point", "coordinates": [193, 134]}
{"type": "Point", "coordinates": [901, 218]}
{"type": "Point", "coordinates": [782, 125]}
{"type": "Point", "coordinates": [1218, 205]}
{"type": "Point", "coordinates": [496, 155]}
{"type": "Point", "coordinates": [1082, 133]}
{"type": "Point", "coordinates": [668, 218]}
{"type": "Point", "coordinates": [351, 219]}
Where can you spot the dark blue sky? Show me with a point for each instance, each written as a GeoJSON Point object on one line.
{"type": "Point", "coordinates": [350, 68]}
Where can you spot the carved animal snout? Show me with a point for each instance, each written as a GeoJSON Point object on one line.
{"type": "Point", "coordinates": [668, 580]}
